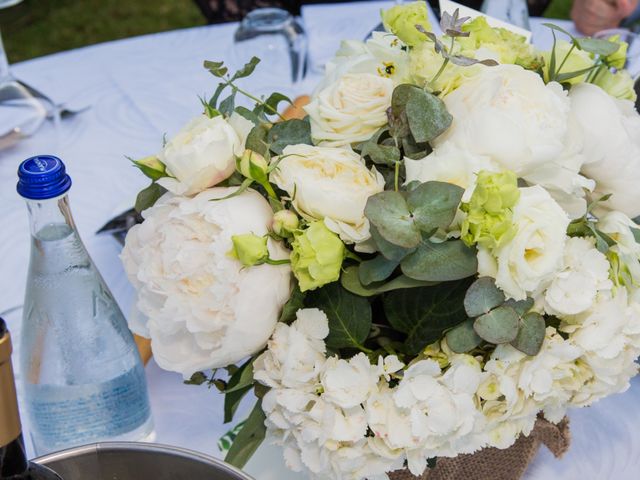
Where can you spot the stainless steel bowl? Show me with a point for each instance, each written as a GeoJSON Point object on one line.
{"type": "Point", "coordinates": [137, 461]}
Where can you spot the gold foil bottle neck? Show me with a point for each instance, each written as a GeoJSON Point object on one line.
{"type": "Point", "coordinates": [10, 427]}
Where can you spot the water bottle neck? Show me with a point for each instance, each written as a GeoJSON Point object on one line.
{"type": "Point", "coordinates": [49, 213]}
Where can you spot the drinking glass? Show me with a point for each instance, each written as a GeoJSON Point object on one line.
{"type": "Point", "coordinates": [277, 38]}
{"type": "Point", "coordinates": [21, 114]}
{"type": "Point", "coordinates": [514, 12]}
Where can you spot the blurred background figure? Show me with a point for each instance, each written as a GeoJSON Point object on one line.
{"type": "Point", "coordinates": [591, 16]}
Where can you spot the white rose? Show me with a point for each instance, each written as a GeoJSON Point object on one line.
{"type": "Point", "coordinates": [586, 271]}
{"type": "Point", "coordinates": [533, 257]}
{"type": "Point", "coordinates": [204, 309]}
{"type": "Point", "coordinates": [203, 153]}
{"type": "Point", "coordinates": [611, 130]}
{"type": "Point", "coordinates": [348, 383]}
{"type": "Point", "coordinates": [331, 184]}
{"type": "Point", "coordinates": [508, 114]}
{"type": "Point", "coordinates": [350, 110]}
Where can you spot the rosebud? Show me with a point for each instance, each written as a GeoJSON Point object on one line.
{"type": "Point", "coordinates": [249, 249]}
{"type": "Point", "coordinates": [285, 222]}
{"type": "Point", "coordinates": [152, 167]}
{"type": "Point", "coordinates": [253, 165]}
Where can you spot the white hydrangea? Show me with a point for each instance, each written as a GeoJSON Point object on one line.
{"type": "Point", "coordinates": [585, 273]}
{"type": "Point", "coordinates": [200, 307]}
{"type": "Point", "coordinates": [348, 383]}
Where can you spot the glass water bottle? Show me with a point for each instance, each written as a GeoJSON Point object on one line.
{"type": "Point", "coordinates": [13, 460]}
{"type": "Point", "coordinates": [83, 378]}
{"type": "Point", "coordinates": [515, 12]}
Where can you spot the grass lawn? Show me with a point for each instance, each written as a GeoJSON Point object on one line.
{"type": "Point", "coordinates": [38, 27]}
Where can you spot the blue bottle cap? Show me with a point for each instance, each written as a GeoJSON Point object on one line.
{"type": "Point", "coordinates": [42, 177]}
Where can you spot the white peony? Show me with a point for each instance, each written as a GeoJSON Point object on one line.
{"type": "Point", "coordinates": [203, 309]}
{"type": "Point", "coordinates": [348, 383]}
{"type": "Point", "coordinates": [611, 130]}
{"type": "Point", "coordinates": [585, 273]}
{"type": "Point", "coordinates": [203, 153]}
{"type": "Point", "coordinates": [533, 257]}
{"type": "Point", "coordinates": [508, 114]}
{"type": "Point", "coordinates": [331, 184]}
{"type": "Point", "coordinates": [349, 110]}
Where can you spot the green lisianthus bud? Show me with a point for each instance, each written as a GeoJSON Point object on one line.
{"type": "Point", "coordinates": [576, 60]}
{"type": "Point", "coordinates": [619, 84]}
{"type": "Point", "coordinates": [618, 58]}
{"type": "Point", "coordinates": [401, 20]}
{"type": "Point", "coordinates": [316, 257]}
{"type": "Point", "coordinates": [253, 165]}
{"type": "Point", "coordinates": [249, 249]}
{"type": "Point", "coordinates": [152, 167]}
{"type": "Point", "coordinates": [490, 210]}
{"type": "Point", "coordinates": [284, 223]}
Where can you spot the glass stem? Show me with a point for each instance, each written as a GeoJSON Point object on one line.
{"type": "Point", "coordinates": [4, 63]}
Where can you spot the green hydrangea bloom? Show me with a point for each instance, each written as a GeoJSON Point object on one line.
{"type": "Point", "coordinates": [316, 257]}
{"type": "Point", "coordinates": [401, 20]}
{"type": "Point", "coordinates": [249, 249]}
{"type": "Point", "coordinates": [490, 210]}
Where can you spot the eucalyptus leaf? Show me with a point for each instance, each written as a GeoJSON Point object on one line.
{"type": "Point", "coordinates": [249, 115]}
{"type": "Point", "coordinates": [257, 138]}
{"type": "Point", "coordinates": [441, 262]}
{"type": "Point", "coordinates": [389, 213]}
{"type": "Point", "coordinates": [424, 314]}
{"type": "Point", "coordinates": [350, 280]}
{"type": "Point", "coordinates": [498, 326]}
{"type": "Point", "coordinates": [598, 46]}
{"type": "Point", "coordinates": [213, 101]}
{"type": "Point", "coordinates": [216, 68]}
{"type": "Point", "coordinates": [149, 196]}
{"type": "Point", "coordinates": [531, 334]}
{"type": "Point", "coordinates": [386, 248]}
{"type": "Point", "coordinates": [381, 154]}
{"type": "Point", "coordinates": [482, 296]}
{"type": "Point", "coordinates": [241, 378]}
{"type": "Point", "coordinates": [247, 69]}
{"type": "Point", "coordinates": [520, 306]}
{"type": "Point", "coordinates": [434, 204]}
{"type": "Point", "coordinates": [463, 338]}
{"type": "Point", "coordinates": [290, 132]}
{"type": "Point", "coordinates": [427, 115]}
{"type": "Point", "coordinates": [248, 439]}
{"type": "Point", "coordinates": [228, 104]}
{"type": "Point", "coordinates": [349, 315]}
{"type": "Point", "coordinates": [377, 269]}
{"type": "Point", "coordinates": [275, 99]}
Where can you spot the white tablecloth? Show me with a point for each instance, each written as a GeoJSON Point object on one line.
{"type": "Point", "coordinates": [141, 88]}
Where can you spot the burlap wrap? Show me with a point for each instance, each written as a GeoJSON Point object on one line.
{"type": "Point", "coordinates": [496, 464]}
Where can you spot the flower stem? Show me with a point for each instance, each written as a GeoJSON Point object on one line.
{"type": "Point", "coordinates": [271, 261]}
{"type": "Point", "coordinates": [557, 72]}
{"type": "Point", "coordinates": [396, 176]}
{"type": "Point", "coordinates": [257, 100]}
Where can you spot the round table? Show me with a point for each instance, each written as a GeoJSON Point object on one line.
{"type": "Point", "coordinates": [143, 87]}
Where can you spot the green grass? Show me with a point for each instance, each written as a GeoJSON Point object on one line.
{"type": "Point", "coordinates": [39, 27]}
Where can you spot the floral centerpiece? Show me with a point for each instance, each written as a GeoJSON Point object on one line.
{"type": "Point", "coordinates": [440, 251]}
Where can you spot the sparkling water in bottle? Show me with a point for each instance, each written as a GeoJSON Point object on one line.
{"type": "Point", "coordinates": [83, 378]}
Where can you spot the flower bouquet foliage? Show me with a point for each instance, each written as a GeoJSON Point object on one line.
{"type": "Point", "coordinates": [440, 251]}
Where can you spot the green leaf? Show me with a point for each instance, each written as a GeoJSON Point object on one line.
{"type": "Point", "coordinates": [291, 132]}
{"type": "Point", "coordinates": [232, 401]}
{"type": "Point", "coordinates": [295, 303]}
{"type": "Point", "coordinates": [558, 29]}
{"type": "Point", "coordinates": [531, 334]}
{"type": "Point", "coordinates": [350, 280]}
{"type": "Point", "coordinates": [216, 68]}
{"type": "Point", "coordinates": [213, 101]}
{"type": "Point", "coordinates": [381, 154]}
{"type": "Point", "coordinates": [248, 439]}
{"type": "Point", "coordinates": [257, 138]}
{"type": "Point", "coordinates": [149, 196]}
{"type": "Point", "coordinates": [377, 269]}
{"type": "Point", "coordinates": [243, 377]}
{"type": "Point", "coordinates": [389, 213]}
{"type": "Point", "coordinates": [498, 326]}
{"type": "Point", "coordinates": [424, 314]}
{"type": "Point", "coordinates": [249, 115]}
{"type": "Point", "coordinates": [274, 100]}
{"type": "Point", "coordinates": [228, 104]}
{"type": "Point", "coordinates": [427, 115]}
{"type": "Point", "coordinates": [598, 46]}
{"type": "Point", "coordinates": [636, 234]}
{"type": "Point", "coordinates": [463, 337]}
{"type": "Point", "coordinates": [349, 315]}
{"type": "Point", "coordinates": [247, 69]}
{"type": "Point", "coordinates": [482, 296]}
{"type": "Point", "coordinates": [520, 306]}
{"type": "Point", "coordinates": [388, 249]}
{"type": "Point", "coordinates": [563, 77]}
{"type": "Point", "coordinates": [441, 262]}
{"type": "Point", "coordinates": [197, 378]}
{"type": "Point", "coordinates": [434, 204]}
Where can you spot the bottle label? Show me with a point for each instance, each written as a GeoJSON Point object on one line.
{"type": "Point", "coordinates": [67, 415]}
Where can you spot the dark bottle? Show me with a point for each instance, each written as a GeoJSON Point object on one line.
{"type": "Point", "coordinates": [13, 459]}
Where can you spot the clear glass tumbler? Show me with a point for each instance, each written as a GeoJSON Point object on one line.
{"type": "Point", "coordinates": [277, 38]}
